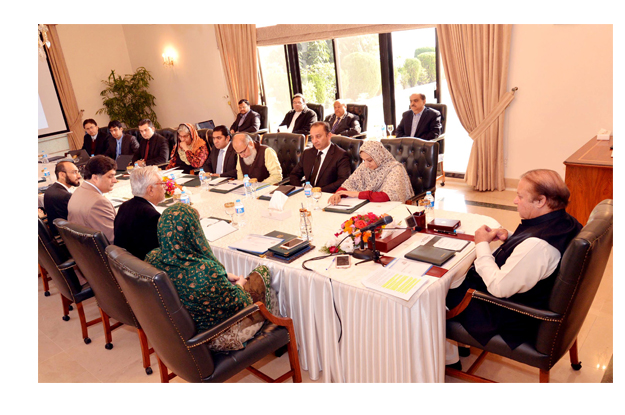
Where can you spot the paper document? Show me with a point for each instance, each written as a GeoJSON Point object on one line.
{"type": "Point", "coordinates": [218, 180]}
{"type": "Point", "coordinates": [376, 208]}
{"type": "Point", "coordinates": [215, 228]}
{"type": "Point", "coordinates": [258, 244]}
{"type": "Point", "coordinates": [451, 244]}
{"type": "Point", "coordinates": [398, 284]}
{"type": "Point", "coordinates": [183, 180]}
{"type": "Point", "coordinates": [228, 186]}
{"type": "Point", "coordinates": [411, 267]}
{"type": "Point", "coordinates": [346, 203]}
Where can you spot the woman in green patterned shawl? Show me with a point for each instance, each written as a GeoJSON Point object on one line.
{"type": "Point", "coordinates": [207, 291]}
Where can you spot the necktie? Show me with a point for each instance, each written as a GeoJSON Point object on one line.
{"type": "Point", "coordinates": [119, 148]}
{"type": "Point", "coordinates": [220, 161]}
{"type": "Point", "coordinates": [92, 146]}
{"type": "Point", "coordinates": [147, 147]}
{"type": "Point", "coordinates": [315, 170]}
{"type": "Point", "coordinates": [336, 123]}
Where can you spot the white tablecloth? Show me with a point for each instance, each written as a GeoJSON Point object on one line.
{"type": "Point", "coordinates": [382, 338]}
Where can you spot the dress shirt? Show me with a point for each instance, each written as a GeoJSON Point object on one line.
{"type": "Point", "coordinates": [94, 186]}
{"type": "Point", "coordinates": [219, 169]}
{"type": "Point", "coordinates": [243, 118]}
{"type": "Point", "coordinates": [292, 125]}
{"type": "Point", "coordinates": [66, 188]}
{"type": "Point", "coordinates": [324, 153]}
{"type": "Point", "coordinates": [271, 163]}
{"type": "Point", "coordinates": [531, 261]}
{"type": "Point", "coordinates": [415, 122]}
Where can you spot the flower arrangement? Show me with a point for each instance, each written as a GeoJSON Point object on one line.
{"type": "Point", "coordinates": [351, 227]}
{"type": "Point", "coordinates": [170, 186]}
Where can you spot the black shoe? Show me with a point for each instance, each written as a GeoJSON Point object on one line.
{"type": "Point", "coordinates": [464, 351]}
{"type": "Point", "coordinates": [457, 365]}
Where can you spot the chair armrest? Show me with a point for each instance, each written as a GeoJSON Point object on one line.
{"type": "Point", "coordinates": [441, 143]}
{"type": "Point", "coordinates": [362, 135]}
{"type": "Point", "coordinates": [215, 331]}
{"type": "Point", "coordinates": [67, 264]}
{"type": "Point", "coordinates": [536, 313]}
{"type": "Point", "coordinates": [262, 131]}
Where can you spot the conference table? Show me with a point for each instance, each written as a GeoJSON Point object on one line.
{"type": "Point", "coordinates": [382, 338]}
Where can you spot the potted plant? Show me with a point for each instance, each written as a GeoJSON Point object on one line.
{"type": "Point", "coordinates": [127, 98]}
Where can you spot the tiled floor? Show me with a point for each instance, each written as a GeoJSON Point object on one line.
{"type": "Point", "coordinates": [63, 356]}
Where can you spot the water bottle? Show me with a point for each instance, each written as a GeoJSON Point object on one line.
{"type": "Point", "coordinates": [203, 179]}
{"type": "Point", "coordinates": [308, 194]}
{"type": "Point", "coordinates": [46, 175]}
{"type": "Point", "coordinates": [185, 198]}
{"type": "Point", "coordinates": [44, 157]}
{"type": "Point", "coordinates": [240, 211]}
{"type": "Point", "coordinates": [253, 186]}
{"type": "Point", "coordinates": [305, 224]}
{"type": "Point", "coordinates": [383, 131]}
{"type": "Point", "coordinates": [430, 199]}
{"type": "Point", "coordinates": [246, 185]}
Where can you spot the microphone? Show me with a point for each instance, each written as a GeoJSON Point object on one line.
{"type": "Point", "coordinates": [385, 220]}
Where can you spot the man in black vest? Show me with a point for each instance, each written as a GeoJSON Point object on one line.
{"type": "Point", "coordinates": [135, 224]}
{"type": "Point", "coordinates": [56, 197]}
{"type": "Point", "coordinates": [523, 268]}
{"type": "Point", "coordinates": [257, 161]}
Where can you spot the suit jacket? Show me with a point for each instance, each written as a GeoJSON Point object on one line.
{"type": "Point", "coordinates": [250, 125]}
{"type": "Point", "coordinates": [349, 126]}
{"type": "Point", "coordinates": [335, 169]}
{"type": "Point", "coordinates": [429, 126]}
{"type": "Point", "coordinates": [135, 227]}
{"type": "Point", "coordinates": [158, 152]}
{"type": "Point", "coordinates": [101, 143]}
{"type": "Point", "coordinates": [130, 145]}
{"type": "Point", "coordinates": [55, 201]}
{"type": "Point", "coordinates": [303, 122]}
{"type": "Point", "coordinates": [230, 162]}
{"type": "Point", "coordinates": [89, 208]}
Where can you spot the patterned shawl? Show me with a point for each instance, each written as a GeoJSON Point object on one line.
{"type": "Point", "coordinates": [196, 146]}
{"type": "Point", "coordinates": [200, 279]}
{"type": "Point", "coordinates": [389, 177]}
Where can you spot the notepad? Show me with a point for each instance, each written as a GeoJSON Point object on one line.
{"type": "Point", "coordinates": [399, 284]}
{"type": "Point", "coordinates": [227, 187]}
{"type": "Point", "coordinates": [255, 244]}
{"type": "Point", "coordinates": [215, 229]}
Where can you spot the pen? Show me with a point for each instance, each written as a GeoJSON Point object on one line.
{"type": "Point", "coordinates": [333, 259]}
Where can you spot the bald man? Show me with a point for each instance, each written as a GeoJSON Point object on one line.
{"type": "Point", "coordinates": [342, 122]}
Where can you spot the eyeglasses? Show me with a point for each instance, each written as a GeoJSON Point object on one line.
{"type": "Point", "coordinates": [242, 152]}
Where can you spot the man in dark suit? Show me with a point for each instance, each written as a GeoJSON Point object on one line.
{"type": "Point", "coordinates": [94, 142]}
{"type": "Point", "coordinates": [342, 122]}
{"type": "Point", "coordinates": [325, 165]}
{"type": "Point", "coordinates": [153, 148]}
{"type": "Point", "coordinates": [247, 121]}
{"type": "Point", "coordinates": [299, 119]}
{"type": "Point", "coordinates": [56, 198]}
{"type": "Point", "coordinates": [120, 143]}
{"type": "Point", "coordinates": [222, 162]}
{"type": "Point", "coordinates": [420, 121]}
{"type": "Point", "coordinates": [136, 221]}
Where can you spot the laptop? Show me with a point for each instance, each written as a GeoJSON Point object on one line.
{"type": "Point", "coordinates": [206, 124]}
{"type": "Point", "coordinates": [80, 157]}
{"type": "Point", "coordinates": [123, 160]}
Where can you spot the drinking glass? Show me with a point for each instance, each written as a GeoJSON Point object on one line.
{"type": "Point", "coordinates": [390, 129]}
{"type": "Point", "coordinates": [230, 211]}
{"type": "Point", "coordinates": [316, 194]}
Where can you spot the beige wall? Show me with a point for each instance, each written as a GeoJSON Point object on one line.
{"type": "Point", "coordinates": [91, 52]}
{"type": "Point", "coordinates": [564, 75]}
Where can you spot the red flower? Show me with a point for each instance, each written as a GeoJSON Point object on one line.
{"type": "Point", "coordinates": [360, 224]}
{"type": "Point", "coordinates": [332, 249]}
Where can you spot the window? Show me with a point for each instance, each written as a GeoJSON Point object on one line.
{"type": "Point", "coordinates": [316, 64]}
{"type": "Point", "coordinates": [276, 84]}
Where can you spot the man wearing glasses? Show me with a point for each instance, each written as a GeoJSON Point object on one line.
{"type": "Point", "coordinates": [223, 161]}
{"type": "Point", "coordinates": [136, 220]}
{"type": "Point", "coordinates": [56, 198]}
{"type": "Point", "coordinates": [255, 160]}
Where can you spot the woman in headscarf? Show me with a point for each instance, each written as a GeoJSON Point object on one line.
{"type": "Point", "coordinates": [379, 178]}
{"type": "Point", "coordinates": [209, 293]}
{"type": "Point", "coordinates": [190, 151]}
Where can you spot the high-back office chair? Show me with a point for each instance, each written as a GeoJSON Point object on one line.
{"type": "Point", "coordinates": [574, 289]}
{"type": "Point", "coordinates": [171, 135]}
{"type": "Point", "coordinates": [420, 158]}
{"type": "Point", "coordinates": [352, 146]}
{"type": "Point", "coordinates": [57, 262]}
{"type": "Point", "coordinates": [442, 108]}
{"type": "Point", "coordinates": [362, 112]}
{"type": "Point", "coordinates": [263, 111]}
{"type": "Point", "coordinates": [318, 108]}
{"type": "Point", "coordinates": [175, 339]}
{"type": "Point", "coordinates": [87, 247]}
{"type": "Point", "coordinates": [289, 148]}
{"type": "Point", "coordinates": [206, 134]}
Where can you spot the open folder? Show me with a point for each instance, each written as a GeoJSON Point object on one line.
{"type": "Point", "coordinates": [346, 205]}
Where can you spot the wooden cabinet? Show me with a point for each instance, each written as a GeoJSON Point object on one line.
{"type": "Point", "coordinates": [589, 177]}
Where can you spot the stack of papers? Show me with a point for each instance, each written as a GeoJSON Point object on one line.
{"type": "Point", "coordinates": [400, 278]}
{"type": "Point", "coordinates": [346, 203]}
{"type": "Point", "coordinates": [215, 228]}
{"type": "Point", "coordinates": [256, 244]}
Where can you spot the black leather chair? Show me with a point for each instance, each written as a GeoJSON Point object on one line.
{"type": "Point", "coordinates": [442, 108]}
{"type": "Point", "coordinates": [574, 289]}
{"type": "Point", "coordinates": [61, 268]}
{"type": "Point", "coordinates": [134, 132]}
{"type": "Point", "coordinates": [352, 146]}
{"type": "Point", "coordinates": [289, 148]}
{"type": "Point", "coordinates": [362, 112]}
{"type": "Point", "coordinates": [420, 158]}
{"type": "Point", "coordinates": [206, 134]}
{"type": "Point", "coordinates": [87, 247]}
{"type": "Point", "coordinates": [173, 334]}
{"type": "Point", "coordinates": [263, 111]}
{"type": "Point", "coordinates": [171, 135]}
{"type": "Point", "coordinates": [318, 108]}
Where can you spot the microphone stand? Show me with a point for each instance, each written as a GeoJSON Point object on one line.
{"type": "Point", "coordinates": [367, 254]}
